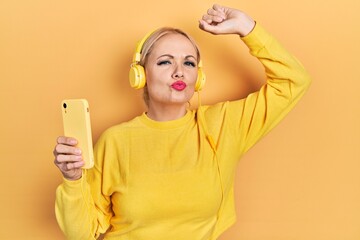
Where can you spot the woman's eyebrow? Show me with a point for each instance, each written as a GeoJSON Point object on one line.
{"type": "Point", "coordinates": [171, 56]}
{"type": "Point", "coordinates": [166, 55]}
{"type": "Point", "coordinates": [190, 56]}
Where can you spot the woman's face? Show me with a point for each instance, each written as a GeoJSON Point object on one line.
{"type": "Point", "coordinates": [171, 70]}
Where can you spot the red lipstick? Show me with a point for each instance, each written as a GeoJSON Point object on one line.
{"type": "Point", "coordinates": [178, 85]}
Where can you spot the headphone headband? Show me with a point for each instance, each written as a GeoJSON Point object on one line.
{"type": "Point", "coordinates": [139, 46]}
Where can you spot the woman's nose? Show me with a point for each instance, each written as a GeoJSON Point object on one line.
{"type": "Point", "coordinates": [178, 72]}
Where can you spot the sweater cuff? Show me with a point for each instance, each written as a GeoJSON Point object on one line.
{"type": "Point", "coordinates": [257, 38]}
{"type": "Point", "coordinates": [72, 186]}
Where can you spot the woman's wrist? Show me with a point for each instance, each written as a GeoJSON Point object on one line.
{"type": "Point", "coordinates": [246, 26]}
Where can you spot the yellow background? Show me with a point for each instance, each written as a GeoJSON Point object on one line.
{"type": "Point", "coordinates": [301, 182]}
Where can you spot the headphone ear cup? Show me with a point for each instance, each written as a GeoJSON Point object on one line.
{"type": "Point", "coordinates": [200, 81]}
{"type": "Point", "coordinates": [137, 76]}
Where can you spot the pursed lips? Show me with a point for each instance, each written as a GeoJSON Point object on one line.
{"type": "Point", "coordinates": [179, 85]}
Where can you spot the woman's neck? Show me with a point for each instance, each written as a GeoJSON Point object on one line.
{"type": "Point", "coordinates": [163, 113]}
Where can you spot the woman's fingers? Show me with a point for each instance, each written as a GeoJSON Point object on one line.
{"type": "Point", "coordinates": [71, 166]}
{"type": "Point", "coordinates": [61, 158]}
{"type": "Point", "coordinates": [66, 140]}
{"type": "Point", "coordinates": [217, 11]}
{"type": "Point", "coordinates": [65, 149]}
{"type": "Point", "coordinates": [214, 16]}
{"type": "Point", "coordinates": [212, 19]}
{"type": "Point", "coordinates": [68, 158]}
{"type": "Point", "coordinates": [68, 166]}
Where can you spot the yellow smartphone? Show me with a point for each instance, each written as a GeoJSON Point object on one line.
{"type": "Point", "coordinates": [76, 122]}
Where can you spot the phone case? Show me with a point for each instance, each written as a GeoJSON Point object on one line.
{"type": "Point", "coordinates": [76, 122]}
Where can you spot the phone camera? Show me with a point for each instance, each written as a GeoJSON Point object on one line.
{"type": "Point", "coordinates": [64, 105]}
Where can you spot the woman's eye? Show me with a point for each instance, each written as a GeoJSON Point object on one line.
{"type": "Point", "coordinates": [190, 63]}
{"type": "Point", "coordinates": [165, 62]}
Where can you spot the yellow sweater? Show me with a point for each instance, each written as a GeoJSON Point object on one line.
{"type": "Point", "coordinates": [163, 180]}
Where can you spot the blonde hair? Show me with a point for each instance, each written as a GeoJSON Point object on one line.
{"type": "Point", "coordinates": [149, 44]}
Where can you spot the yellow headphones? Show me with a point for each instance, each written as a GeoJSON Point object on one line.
{"type": "Point", "coordinates": [137, 72]}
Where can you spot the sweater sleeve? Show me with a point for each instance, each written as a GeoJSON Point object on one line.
{"type": "Point", "coordinates": [286, 82]}
{"type": "Point", "coordinates": [83, 209]}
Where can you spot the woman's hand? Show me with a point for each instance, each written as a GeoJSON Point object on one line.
{"type": "Point", "coordinates": [68, 158]}
{"type": "Point", "coordinates": [224, 20]}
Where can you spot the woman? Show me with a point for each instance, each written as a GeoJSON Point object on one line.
{"type": "Point", "coordinates": [169, 173]}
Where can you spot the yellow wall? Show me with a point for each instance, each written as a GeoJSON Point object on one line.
{"type": "Point", "coordinates": [300, 182]}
